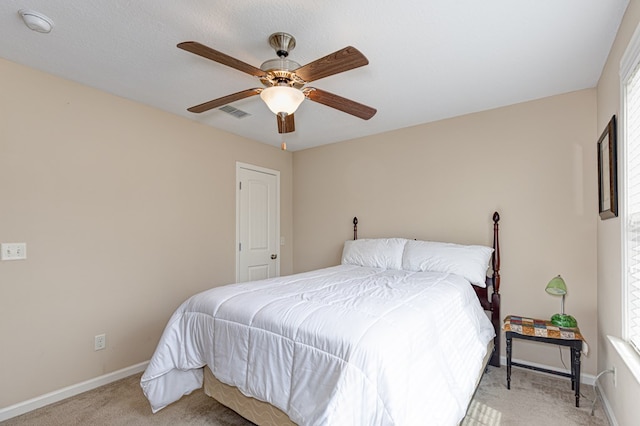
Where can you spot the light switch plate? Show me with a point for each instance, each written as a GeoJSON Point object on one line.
{"type": "Point", "coordinates": [13, 251]}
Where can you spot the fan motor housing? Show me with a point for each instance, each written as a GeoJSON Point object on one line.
{"type": "Point", "coordinates": [281, 71]}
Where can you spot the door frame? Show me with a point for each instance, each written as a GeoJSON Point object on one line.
{"type": "Point", "coordinates": [241, 165]}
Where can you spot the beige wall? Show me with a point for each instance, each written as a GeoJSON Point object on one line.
{"type": "Point", "coordinates": [624, 397]}
{"type": "Point", "coordinates": [533, 162]}
{"type": "Point", "coordinates": [125, 210]}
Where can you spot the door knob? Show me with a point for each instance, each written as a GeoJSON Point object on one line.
{"type": "Point", "coordinates": [274, 256]}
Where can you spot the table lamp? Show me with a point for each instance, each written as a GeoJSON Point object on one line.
{"type": "Point", "coordinates": [557, 287]}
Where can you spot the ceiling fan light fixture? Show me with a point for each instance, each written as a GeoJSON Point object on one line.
{"type": "Point", "coordinates": [282, 99]}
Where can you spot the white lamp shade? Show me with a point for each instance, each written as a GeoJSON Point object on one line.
{"type": "Point", "coordinates": [282, 99]}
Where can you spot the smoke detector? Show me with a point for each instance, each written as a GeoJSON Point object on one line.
{"type": "Point", "coordinates": [36, 21]}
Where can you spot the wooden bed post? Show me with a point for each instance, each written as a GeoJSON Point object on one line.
{"type": "Point", "coordinates": [495, 296]}
{"type": "Point", "coordinates": [355, 228]}
{"type": "Point", "coordinates": [495, 260]}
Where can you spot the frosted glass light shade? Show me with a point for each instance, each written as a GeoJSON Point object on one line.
{"type": "Point", "coordinates": [282, 99]}
{"type": "Point", "coordinates": [557, 286]}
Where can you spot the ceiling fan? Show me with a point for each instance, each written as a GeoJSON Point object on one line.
{"type": "Point", "coordinates": [285, 80]}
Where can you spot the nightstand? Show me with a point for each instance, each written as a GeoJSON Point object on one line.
{"type": "Point", "coordinates": [543, 331]}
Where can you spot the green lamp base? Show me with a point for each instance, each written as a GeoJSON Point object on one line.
{"type": "Point", "coordinates": [563, 320]}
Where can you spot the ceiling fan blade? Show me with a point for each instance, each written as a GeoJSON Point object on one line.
{"type": "Point", "coordinates": [224, 100]}
{"type": "Point", "coordinates": [214, 55]}
{"type": "Point", "coordinates": [338, 102]}
{"type": "Point", "coordinates": [337, 62]}
{"type": "Point", "coordinates": [287, 125]}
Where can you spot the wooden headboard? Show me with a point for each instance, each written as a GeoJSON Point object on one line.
{"type": "Point", "coordinates": [489, 302]}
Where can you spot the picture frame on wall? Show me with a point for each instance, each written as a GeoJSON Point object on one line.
{"type": "Point", "coordinates": [608, 172]}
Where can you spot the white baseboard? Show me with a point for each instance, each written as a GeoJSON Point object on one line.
{"type": "Point", "coordinates": [69, 391]}
{"type": "Point", "coordinates": [586, 379]}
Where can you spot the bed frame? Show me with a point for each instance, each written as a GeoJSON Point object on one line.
{"type": "Point", "coordinates": [267, 415]}
{"type": "Point", "coordinates": [489, 304]}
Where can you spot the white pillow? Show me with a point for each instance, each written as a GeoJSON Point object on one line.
{"type": "Point", "coordinates": [469, 261]}
{"type": "Point", "coordinates": [385, 253]}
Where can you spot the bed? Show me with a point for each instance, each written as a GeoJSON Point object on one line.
{"type": "Point", "coordinates": [395, 334]}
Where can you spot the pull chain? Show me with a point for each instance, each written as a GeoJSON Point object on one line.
{"type": "Point", "coordinates": [283, 145]}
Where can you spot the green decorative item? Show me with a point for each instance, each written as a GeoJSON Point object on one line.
{"type": "Point", "coordinates": [566, 321]}
{"type": "Point", "coordinates": [558, 287]}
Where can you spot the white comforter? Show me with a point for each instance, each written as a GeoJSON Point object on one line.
{"type": "Point", "coordinates": [345, 345]}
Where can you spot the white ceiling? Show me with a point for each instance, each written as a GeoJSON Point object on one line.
{"type": "Point", "coordinates": [428, 59]}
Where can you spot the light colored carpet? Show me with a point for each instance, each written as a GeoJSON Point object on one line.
{"type": "Point", "coordinates": [534, 399]}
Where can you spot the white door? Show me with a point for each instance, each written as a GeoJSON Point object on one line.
{"type": "Point", "coordinates": [258, 223]}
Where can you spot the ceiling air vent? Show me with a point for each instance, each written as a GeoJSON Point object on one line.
{"type": "Point", "coordinates": [237, 113]}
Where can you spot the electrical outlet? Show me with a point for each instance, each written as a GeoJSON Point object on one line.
{"type": "Point", "coordinates": [13, 251]}
{"type": "Point", "coordinates": [100, 342]}
{"type": "Point", "coordinates": [615, 377]}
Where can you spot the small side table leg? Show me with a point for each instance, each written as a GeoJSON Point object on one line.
{"type": "Point", "coordinates": [508, 360]}
{"type": "Point", "coordinates": [573, 368]}
{"type": "Point", "coordinates": [576, 362]}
